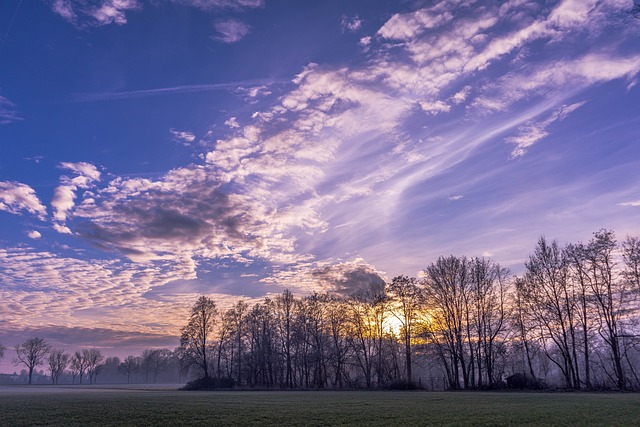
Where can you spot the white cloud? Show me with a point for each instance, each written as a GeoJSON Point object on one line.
{"type": "Point", "coordinates": [455, 197]}
{"type": "Point", "coordinates": [85, 13]}
{"type": "Point", "coordinates": [113, 11]}
{"type": "Point", "coordinates": [352, 24]}
{"type": "Point", "coordinates": [255, 91]}
{"type": "Point", "coordinates": [65, 194]}
{"type": "Point", "coordinates": [34, 234]}
{"type": "Point", "coordinates": [230, 30]}
{"type": "Point", "coordinates": [533, 132]}
{"type": "Point", "coordinates": [16, 197]}
{"type": "Point", "coordinates": [632, 203]}
{"type": "Point", "coordinates": [182, 136]}
{"type": "Point", "coordinates": [409, 25]}
{"type": "Point", "coordinates": [435, 107]}
{"type": "Point", "coordinates": [232, 122]}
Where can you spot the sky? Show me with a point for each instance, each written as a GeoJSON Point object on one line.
{"type": "Point", "coordinates": [154, 151]}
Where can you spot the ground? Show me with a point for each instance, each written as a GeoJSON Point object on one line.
{"type": "Point", "coordinates": [153, 406]}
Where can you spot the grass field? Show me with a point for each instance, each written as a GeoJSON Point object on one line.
{"type": "Point", "coordinates": [20, 406]}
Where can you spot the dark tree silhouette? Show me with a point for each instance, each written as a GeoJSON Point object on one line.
{"type": "Point", "coordinates": [129, 366]}
{"type": "Point", "coordinates": [195, 340]}
{"type": "Point", "coordinates": [32, 353]}
{"type": "Point", "coordinates": [407, 295]}
{"type": "Point", "coordinates": [93, 358]}
{"type": "Point", "coordinates": [58, 362]}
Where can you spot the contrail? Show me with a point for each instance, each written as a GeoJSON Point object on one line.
{"type": "Point", "coordinates": [107, 96]}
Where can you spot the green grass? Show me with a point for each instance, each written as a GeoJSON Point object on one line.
{"type": "Point", "coordinates": [72, 407]}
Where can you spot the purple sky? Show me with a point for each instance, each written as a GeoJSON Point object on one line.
{"type": "Point", "coordinates": [153, 151]}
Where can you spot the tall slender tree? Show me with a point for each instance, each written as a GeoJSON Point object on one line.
{"type": "Point", "coordinates": [408, 298]}
{"type": "Point", "coordinates": [195, 339]}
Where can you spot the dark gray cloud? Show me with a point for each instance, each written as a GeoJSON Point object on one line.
{"type": "Point", "coordinates": [348, 279]}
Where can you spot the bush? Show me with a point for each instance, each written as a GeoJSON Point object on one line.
{"type": "Point", "coordinates": [524, 382]}
{"type": "Point", "coordinates": [205, 384]}
{"type": "Point", "coordinates": [402, 385]}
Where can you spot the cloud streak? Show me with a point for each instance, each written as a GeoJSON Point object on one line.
{"type": "Point", "coordinates": [143, 93]}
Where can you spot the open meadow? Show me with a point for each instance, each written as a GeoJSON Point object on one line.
{"type": "Point", "coordinates": [114, 406]}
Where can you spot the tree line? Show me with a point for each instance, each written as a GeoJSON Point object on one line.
{"type": "Point", "coordinates": [85, 365]}
{"type": "Point", "coordinates": [570, 320]}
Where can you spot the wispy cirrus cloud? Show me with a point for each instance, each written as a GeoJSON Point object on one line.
{"type": "Point", "coordinates": [632, 203]}
{"type": "Point", "coordinates": [213, 5]}
{"type": "Point", "coordinates": [230, 30]}
{"type": "Point", "coordinates": [8, 112]}
{"type": "Point", "coordinates": [88, 13]}
{"type": "Point", "coordinates": [532, 132]}
{"type": "Point", "coordinates": [107, 96]}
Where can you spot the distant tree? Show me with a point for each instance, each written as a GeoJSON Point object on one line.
{"type": "Point", "coordinates": [110, 369]}
{"type": "Point", "coordinates": [58, 362]}
{"type": "Point", "coordinates": [78, 367]}
{"type": "Point", "coordinates": [32, 353]}
{"type": "Point", "coordinates": [129, 366]}
{"type": "Point", "coordinates": [155, 361]}
{"type": "Point", "coordinates": [2, 350]}
{"type": "Point", "coordinates": [195, 339]}
{"type": "Point", "coordinates": [93, 358]}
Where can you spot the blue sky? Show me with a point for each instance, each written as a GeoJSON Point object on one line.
{"type": "Point", "coordinates": [153, 151]}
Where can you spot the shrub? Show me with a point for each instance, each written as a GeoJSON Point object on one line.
{"type": "Point", "coordinates": [524, 381]}
{"type": "Point", "coordinates": [402, 385]}
{"type": "Point", "coordinates": [205, 384]}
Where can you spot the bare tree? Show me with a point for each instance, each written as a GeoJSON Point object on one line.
{"type": "Point", "coordinates": [551, 305]}
{"type": "Point", "coordinates": [285, 305]}
{"type": "Point", "coordinates": [2, 350]}
{"type": "Point", "coordinates": [78, 367]}
{"type": "Point", "coordinates": [446, 285]}
{"type": "Point", "coordinates": [58, 362]}
{"type": "Point", "coordinates": [407, 300]}
{"type": "Point", "coordinates": [129, 366]}
{"type": "Point", "coordinates": [32, 353]}
{"type": "Point", "coordinates": [155, 361]}
{"type": "Point", "coordinates": [195, 340]}
{"type": "Point", "coordinates": [93, 358]}
{"type": "Point", "coordinates": [487, 315]}
{"type": "Point", "coordinates": [610, 295]}
{"type": "Point", "coordinates": [362, 334]}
